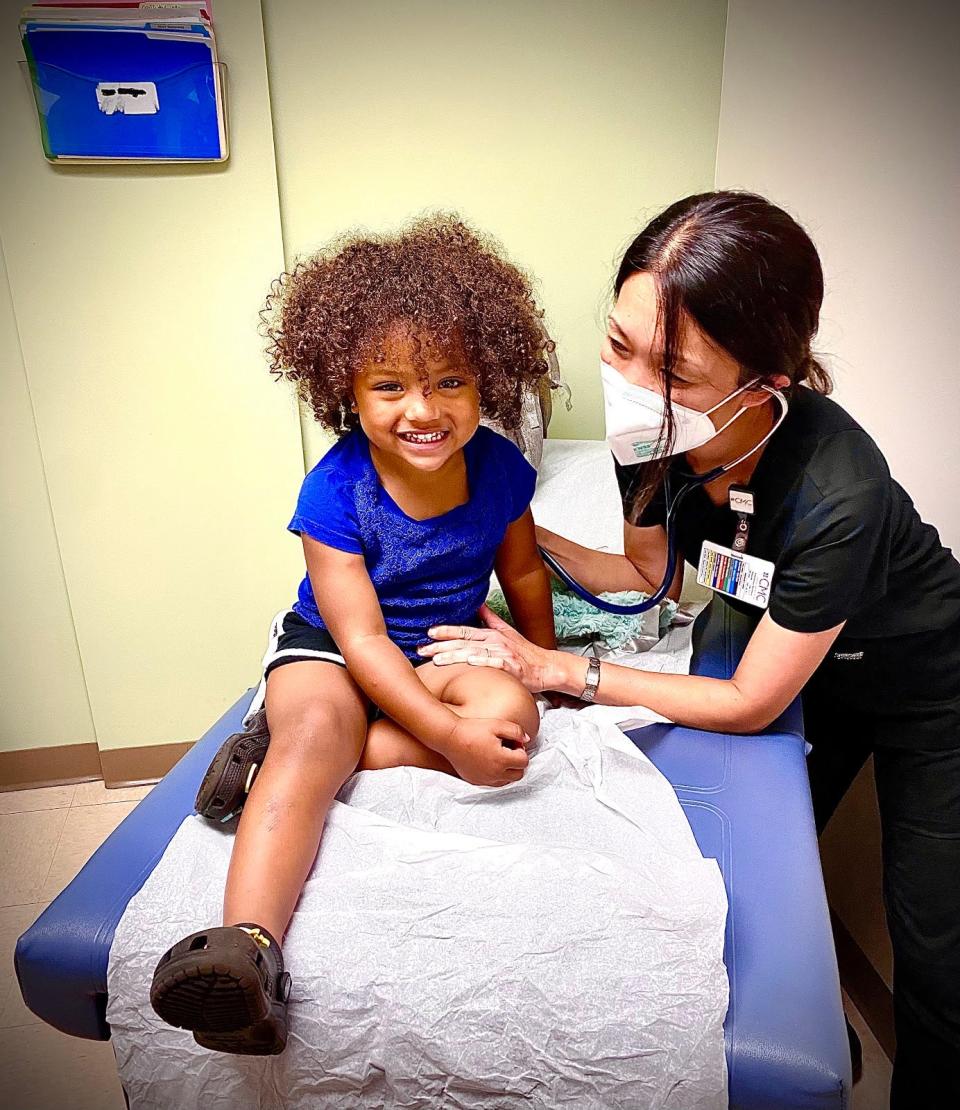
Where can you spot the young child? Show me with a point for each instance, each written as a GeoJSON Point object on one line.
{"type": "Point", "coordinates": [398, 344]}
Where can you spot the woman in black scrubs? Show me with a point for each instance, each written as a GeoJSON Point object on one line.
{"type": "Point", "coordinates": [708, 345]}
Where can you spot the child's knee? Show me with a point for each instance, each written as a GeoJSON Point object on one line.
{"type": "Point", "coordinates": [485, 692]}
{"type": "Point", "coordinates": [316, 732]}
{"type": "Point", "coordinates": [526, 714]}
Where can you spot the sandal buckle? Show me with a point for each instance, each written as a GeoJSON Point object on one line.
{"type": "Point", "coordinates": [257, 935]}
{"type": "Point", "coordinates": [251, 775]}
{"type": "Point", "coordinates": [283, 987]}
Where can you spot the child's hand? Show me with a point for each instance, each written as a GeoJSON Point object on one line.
{"type": "Point", "coordinates": [476, 749]}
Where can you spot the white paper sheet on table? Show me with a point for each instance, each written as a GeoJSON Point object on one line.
{"type": "Point", "coordinates": [556, 943]}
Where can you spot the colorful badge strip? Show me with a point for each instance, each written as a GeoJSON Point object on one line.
{"type": "Point", "coordinates": [721, 571]}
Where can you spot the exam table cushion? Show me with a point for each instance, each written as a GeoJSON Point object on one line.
{"type": "Point", "coordinates": [747, 801]}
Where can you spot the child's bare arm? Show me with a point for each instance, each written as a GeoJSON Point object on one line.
{"type": "Point", "coordinates": [526, 583]}
{"type": "Point", "coordinates": [351, 611]}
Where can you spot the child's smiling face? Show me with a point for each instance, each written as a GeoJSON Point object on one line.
{"type": "Point", "coordinates": [420, 405]}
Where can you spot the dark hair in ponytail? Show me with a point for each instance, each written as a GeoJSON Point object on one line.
{"type": "Point", "coordinates": [748, 275]}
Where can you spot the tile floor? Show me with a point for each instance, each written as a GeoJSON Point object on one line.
{"type": "Point", "coordinates": [48, 835]}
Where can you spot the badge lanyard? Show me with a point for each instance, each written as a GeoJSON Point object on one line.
{"type": "Point", "coordinates": [730, 570]}
{"type": "Point", "coordinates": [741, 502]}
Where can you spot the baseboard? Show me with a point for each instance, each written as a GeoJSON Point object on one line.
{"type": "Point", "coordinates": [867, 990]}
{"type": "Point", "coordinates": [30, 768]}
{"type": "Point", "coordinates": [137, 766]}
{"type": "Point", "coordinates": [54, 766]}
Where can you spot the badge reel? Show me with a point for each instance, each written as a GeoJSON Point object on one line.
{"type": "Point", "coordinates": [730, 570]}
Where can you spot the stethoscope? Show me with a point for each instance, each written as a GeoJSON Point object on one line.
{"type": "Point", "coordinates": [693, 481]}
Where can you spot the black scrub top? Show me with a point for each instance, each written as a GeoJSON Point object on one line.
{"type": "Point", "coordinates": [845, 539]}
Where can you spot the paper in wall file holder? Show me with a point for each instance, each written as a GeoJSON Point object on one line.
{"type": "Point", "coordinates": [127, 95]}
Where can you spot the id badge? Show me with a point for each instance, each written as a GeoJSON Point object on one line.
{"type": "Point", "coordinates": [729, 572]}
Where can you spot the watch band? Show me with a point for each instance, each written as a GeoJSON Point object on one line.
{"type": "Point", "coordinates": [593, 681]}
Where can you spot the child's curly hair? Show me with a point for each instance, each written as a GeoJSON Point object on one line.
{"type": "Point", "coordinates": [333, 311]}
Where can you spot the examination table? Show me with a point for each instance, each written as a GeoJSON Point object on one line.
{"type": "Point", "coordinates": [748, 803]}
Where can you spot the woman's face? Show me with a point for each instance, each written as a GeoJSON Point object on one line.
{"type": "Point", "coordinates": [703, 375]}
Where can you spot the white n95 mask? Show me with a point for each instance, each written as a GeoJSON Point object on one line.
{"type": "Point", "coordinates": [636, 420]}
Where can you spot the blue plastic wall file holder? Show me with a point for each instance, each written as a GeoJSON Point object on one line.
{"type": "Point", "coordinates": [127, 94]}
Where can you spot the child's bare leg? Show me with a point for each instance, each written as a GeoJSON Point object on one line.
{"type": "Point", "coordinates": [318, 721]}
{"type": "Point", "coordinates": [469, 692]}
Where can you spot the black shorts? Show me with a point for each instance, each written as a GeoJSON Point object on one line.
{"type": "Point", "coordinates": [295, 640]}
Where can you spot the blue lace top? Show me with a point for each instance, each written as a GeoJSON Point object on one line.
{"type": "Point", "coordinates": [425, 572]}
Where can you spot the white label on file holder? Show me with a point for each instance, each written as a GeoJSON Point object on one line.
{"type": "Point", "coordinates": [129, 98]}
{"type": "Point", "coordinates": [729, 572]}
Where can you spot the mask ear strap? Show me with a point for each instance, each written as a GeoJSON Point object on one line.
{"type": "Point", "coordinates": [730, 397]}
{"type": "Point", "coordinates": [784, 409]}
{"type": "Point", "coordinates": [740, 411]}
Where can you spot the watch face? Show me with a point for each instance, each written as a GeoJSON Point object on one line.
{"type": "Point", "coordinates": [593, 680]}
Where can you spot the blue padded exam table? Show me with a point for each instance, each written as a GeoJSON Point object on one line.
{"type": "Point", "coordinates": [748, 802]}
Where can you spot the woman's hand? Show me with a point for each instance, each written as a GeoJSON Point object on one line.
{"type": "Point", "coordinates": [498, 645]}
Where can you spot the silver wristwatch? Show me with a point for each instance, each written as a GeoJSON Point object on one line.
{"type": "Point", "coordinates": [593, 681]}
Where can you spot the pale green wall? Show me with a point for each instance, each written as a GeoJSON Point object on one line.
{"type": "Point", "coordinates": [171, 457]}
{"type": "Point", "coordinates": [557, 126]}
{"type": "Point", "coordinates": [148, 504]}
{"type": "Point", "coordinates": [42, 695]}
{"type": "Point", "coordinates": [875, 134]}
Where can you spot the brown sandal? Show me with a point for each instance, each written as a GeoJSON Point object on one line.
{"type": "Point", "coordinates": [228, 986]}
{"type": "Point", "coordinates": [231, 773]}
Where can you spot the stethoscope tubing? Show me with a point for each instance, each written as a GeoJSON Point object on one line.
{"type": "Point", "coordinates": [655, 598]}
{"type": "Point", "coordinates": [693, 481]}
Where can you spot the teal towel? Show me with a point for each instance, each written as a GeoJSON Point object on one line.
{"type": "Point", "coordinates": [577, 619]}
